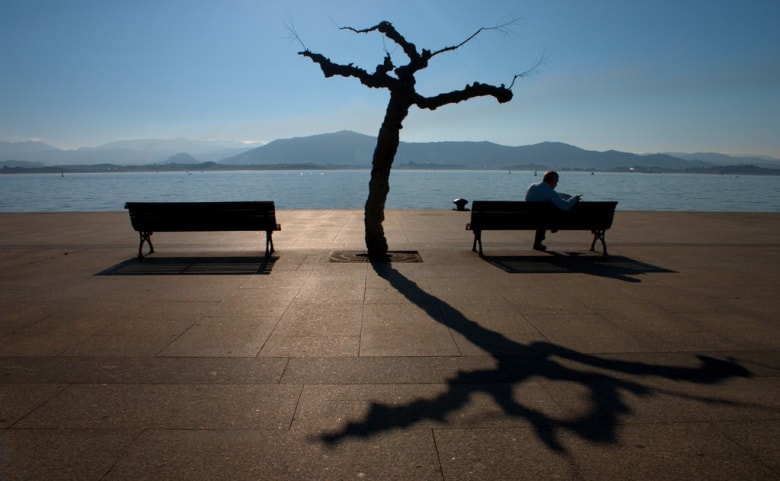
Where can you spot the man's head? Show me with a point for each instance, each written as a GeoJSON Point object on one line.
{"type": "Point", "coordinates": [551, 178]}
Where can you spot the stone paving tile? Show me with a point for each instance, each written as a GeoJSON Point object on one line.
{"type": "Point", "coordinates": [491, 453]}
{"type": "Point", "coordinates": [156, 317]}
{"type": "Point", "coordinates": [49, 337]}
{"type": "Point", "coordinates": [163, 406]}
{"type": "Point", "coordinates": [141, 370]}
{"type": "Point", "coordinates": [668, 452]}
{"type": "Point", "coordinates": [384, 370]}
{"type": "Point", "coordinates": [311, 346]}
{"type": "Point", "coordinates": [217, 336]}
{"type": "Point", "coordinates": [600, 336]}
{"type": "Point", "coordinates": [18, 400]}
{"type": "Point", "coordinates": [754, 339]}
{"type": "Point", "coordinates": [264, 302]}
{"type": "Point", "coordinates": [759, 439]}
{"type": "Point", "coordinates": [62, 454]}
{"type": "Point", "coordinates": [323, 290]}
{"type": "Point", "coordinates": [100, 345]}
{"type": "Point", "coordinates": [687, 340]}
{"type": "Point", "coordinates": [407, 332]}
{"type": "Point", "coordinates": [268, 455]}
{"type": "Point", "coordinates": [545, 297]}
{"type": "Point", "coordinates": [638, 316]}
{"type": "Point", "coordinates": [307, 318]}
{"type": "Point", "coordinates": [731, 400]}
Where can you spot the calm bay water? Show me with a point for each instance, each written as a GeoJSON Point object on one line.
{"type": "Point", "coordinates": [409, 189]}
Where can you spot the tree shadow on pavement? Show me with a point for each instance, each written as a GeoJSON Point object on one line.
{"type": "Point", "coordinates": [604, 379]}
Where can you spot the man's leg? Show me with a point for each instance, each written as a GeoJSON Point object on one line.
{"type": "Point", "coordinates": [538, 240]}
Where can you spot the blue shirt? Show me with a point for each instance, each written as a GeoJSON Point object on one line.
{"type": "Point", "coordinates": [543, 192]}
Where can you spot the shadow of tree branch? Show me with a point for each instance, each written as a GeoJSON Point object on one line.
{"type": "Point", "coordinates": [538, 360]}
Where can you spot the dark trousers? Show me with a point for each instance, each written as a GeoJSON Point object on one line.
{"type": "Point", "coordinates": [539, 236]}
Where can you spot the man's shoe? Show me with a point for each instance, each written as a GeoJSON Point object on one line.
{"type": "Point", "coordinates": [540, 247]}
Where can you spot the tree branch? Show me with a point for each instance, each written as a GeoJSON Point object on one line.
{"type": "Point", "coordinates": [378, 79]}
{"type": "Point", "coordinates": [387, 29]}
{"type": "Point", "coordinates": [501, 94]}
{"type": "Point", "coordinates": [501, 28]}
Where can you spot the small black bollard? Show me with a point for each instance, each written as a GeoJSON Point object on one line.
{"type": "Point", "coordinates": [460, 204]}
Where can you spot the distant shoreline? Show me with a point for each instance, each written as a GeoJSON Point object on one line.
{"type": "Point", "coordinates": [214, 167]}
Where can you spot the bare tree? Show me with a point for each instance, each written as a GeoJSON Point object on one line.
{"type": "Point", "coordinates": [400, 81]}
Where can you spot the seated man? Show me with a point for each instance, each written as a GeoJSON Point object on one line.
{"type": "Point", "coordinates": [544, 191]}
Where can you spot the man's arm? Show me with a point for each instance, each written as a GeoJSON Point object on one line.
{"type": "Point", "coordinates": [563, 203]}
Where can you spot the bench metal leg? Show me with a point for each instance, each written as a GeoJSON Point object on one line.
{"type": "Point", "coordinates": [145, 237]}
{"type": "Point", "coordinates": [599, 235]}
{"type": "Point", "coordinates": [269, 243]}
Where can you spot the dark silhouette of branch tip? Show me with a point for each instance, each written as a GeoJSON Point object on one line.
{"type": "Point", "coordinates": [542, 60]}
{"type": "Point", "coordinates": [290, 26]}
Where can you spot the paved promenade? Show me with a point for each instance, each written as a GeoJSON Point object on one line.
{"type": "Point", "coordinates": [659, 362]}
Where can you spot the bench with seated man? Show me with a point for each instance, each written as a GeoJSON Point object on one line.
{"type": "Point", "coordinates": [544, 209]}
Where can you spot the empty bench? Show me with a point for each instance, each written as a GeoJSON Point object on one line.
{"type": "Point", "coordinates": [150, 217]}
{"type": "Point", "coordinates": [513, 215]}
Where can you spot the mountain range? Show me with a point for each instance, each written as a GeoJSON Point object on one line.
{"type": "Point", "coordinates": [125, 152]}
{"type": "Point", "coordinates": [347, 149]}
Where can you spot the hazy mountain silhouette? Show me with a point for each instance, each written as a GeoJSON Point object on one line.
{"type": "Point", "coordinates": [11, 148]}
{"type": "Point", "coordinates": [179, 144]}
{"type": "Point", "coordinates": [351, 149]}
{"type": "Point", "coordinates": [181, 158]}
{"type": "Point", "coordinates": [339, 148]}
{"type": "Point", "coordinates": [123, 152]}
{"type": "Point", "coordinates": [348, 148]}
{"type": "Point", "coordinates": [722, 159]}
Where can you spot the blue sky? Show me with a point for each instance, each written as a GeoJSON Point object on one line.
{"type": "Point", "coordinates": [660, 76]}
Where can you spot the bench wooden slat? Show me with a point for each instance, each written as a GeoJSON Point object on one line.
{"type": "Point", "coordinates": [150, 217]}
{"type": "Point", "coordinates": [596, 217]}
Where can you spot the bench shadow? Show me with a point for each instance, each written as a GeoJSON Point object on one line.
{"type": "Point", "coordinates": [192, 265]}
{"type": "Point", "coordinates": [606, 381]}
{"type": "Point", "coordinates": [614, 267]}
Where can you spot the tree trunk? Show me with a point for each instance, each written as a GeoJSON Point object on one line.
{"type": "Point", "coordinates": [379, 185]}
